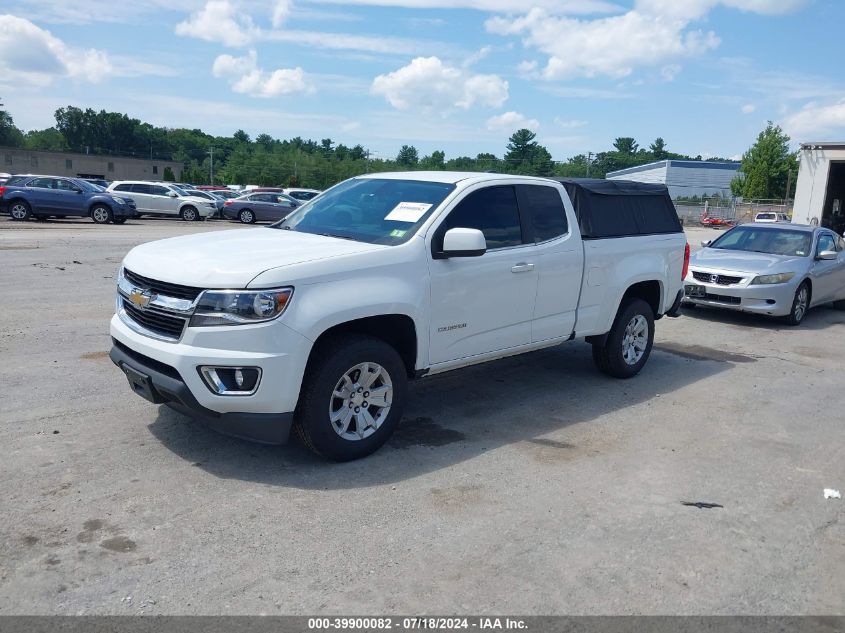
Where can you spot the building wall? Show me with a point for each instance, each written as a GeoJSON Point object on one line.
{"type": "Point", "coordinates": [684, 178]}
{"type": "Point", "coordinates": [811, 186]}
{"type": "Point", "coordinates": [20, 161]}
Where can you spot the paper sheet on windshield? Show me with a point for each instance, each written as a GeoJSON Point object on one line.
{"type": "Point", "coordinates": [408, 212]}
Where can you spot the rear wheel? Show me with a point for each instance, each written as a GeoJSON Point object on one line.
{"type": "Point", "coordinates": [629, 343]}
{"type": "Point", "coordinates": [189, 214]}
{"type": "Point", "coordinates": [246, 216]}
{"type": "Point", "coordinates": [101, 214]}
{"type": "Point", "coordinates": [20, 210]}
{"type": "Point", "coordinates": [800, 305]}
{"type": "Point", "coordinates": [352, 398]}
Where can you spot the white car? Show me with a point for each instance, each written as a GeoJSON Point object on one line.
{"type": "Point", "coordinates": [769, 217]}
{"type": "Point", "coordinates": [302, 195]}
{"type": "Point", "coordinates": [161, 198]}
{"type": "Point", "coordinates": [321, 319]}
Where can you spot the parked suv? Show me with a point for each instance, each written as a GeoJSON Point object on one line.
{"type": "Point", "coordinates": [33, 196]}
{"type": "Point", "coordinates": [161, 198]}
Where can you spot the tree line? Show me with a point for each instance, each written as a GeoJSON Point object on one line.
{"type": "Point", "coordinates": [264, 160]}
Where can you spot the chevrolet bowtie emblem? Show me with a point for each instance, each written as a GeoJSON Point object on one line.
{"type": "Point", "coordinates": [140, 298]}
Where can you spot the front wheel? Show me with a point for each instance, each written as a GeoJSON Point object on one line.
{"type": "Point", "coordinates": [800, 305]}
{"type": "Point", "coordinates": [189, 214]}
{"type": "Point", "coordinates": [101, 214]}
{"type": "Point", "coordinates": [352, 398]}
{"type": "Point", "coordinates": [629, 342]}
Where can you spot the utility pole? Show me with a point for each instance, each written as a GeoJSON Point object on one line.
{"type": "Point", "coordinates": [211, 167]}
{"type": "Point", "coordinates": [589, 162]}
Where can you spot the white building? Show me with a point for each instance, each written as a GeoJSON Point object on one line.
{"type": "Point", "coordinates": [684, 178]}
{"type": "Point", "coordinates": [820, 191]}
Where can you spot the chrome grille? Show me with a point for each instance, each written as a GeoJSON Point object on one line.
{"type": "Point", "coordinates": [157, 321]}
{"type": "Point", "coordinates": [162, 287]}
{"type": "Point", "coordinates": [721, 280]}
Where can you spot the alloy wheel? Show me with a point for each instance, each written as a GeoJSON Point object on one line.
{"type": "Point", "coordinates": [635, 339]}
{"type": "Point", "coordinates": [361, 401]}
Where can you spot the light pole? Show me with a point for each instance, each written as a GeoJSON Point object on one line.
{"type": "Point", "coordinates": [211, 167]}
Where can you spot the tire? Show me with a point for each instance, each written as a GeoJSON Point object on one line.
{"type": "Point", "coordinates": [800, 305]}
{"type": "Point", "coordinates": [119, 220]}
{"type": "Point", "coordinates": [20, 210]}
{"type": "Point", "coordinates": [634, 319]}
{"type": "Point", "coordinates": [189, 214]}
{"type": "Point", "coordinates": [101, 214]}
{"type": "Point", "coordinates": [335, 367]}
{"type": "Point", "coordinates": [246, 216]}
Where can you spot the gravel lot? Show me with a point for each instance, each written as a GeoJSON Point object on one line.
{"type": "Point", "coordinates": [532, 485]}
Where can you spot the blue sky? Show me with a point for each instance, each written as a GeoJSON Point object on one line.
{"type": "Point", "coordinates": [456, 75]}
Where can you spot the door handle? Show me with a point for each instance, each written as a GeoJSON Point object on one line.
{"type": "Point", "coordinates": [522, 268]}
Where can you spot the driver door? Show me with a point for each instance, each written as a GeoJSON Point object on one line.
{"type": "Point", "coordinates": [482, 304]}
{"type": "Point", "coordinates": [828, 274]}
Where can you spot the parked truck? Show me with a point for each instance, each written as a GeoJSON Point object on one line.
{"type": "Point", "coordinates": [319, 321]}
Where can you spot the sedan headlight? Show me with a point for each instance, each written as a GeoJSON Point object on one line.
{"type": "Point", "coordinates": [239, 307]}
{"type": "Point", "coordinates": [780, 278]}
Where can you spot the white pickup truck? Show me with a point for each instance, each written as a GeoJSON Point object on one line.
{"type": "Point", "coordinates": [320, 320]}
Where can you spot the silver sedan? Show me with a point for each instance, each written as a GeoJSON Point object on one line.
{"type": "Point", "coordinates": [773, 269]}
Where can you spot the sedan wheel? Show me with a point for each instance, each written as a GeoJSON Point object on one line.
{"type": "Point", "coordinates": [246, 216]}
{"type": "Point", "coordinates": [800, 305]}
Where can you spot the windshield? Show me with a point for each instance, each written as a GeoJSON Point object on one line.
{"type": "Point", "coordinates": [771, 241]}
{"type": "Point", "coordinates": [373, 210]}
{"type": "Point", "coordinates": [87, 186]}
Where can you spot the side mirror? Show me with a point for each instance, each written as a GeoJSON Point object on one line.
{"type": "Point", "coordinates": [464, 243]}
{"type": "Point", "coordinates": [172, 194]}
{"type": "Point", "coordinates": [706, 243]}
{"type": "Point", "coordinates": [827, 255]}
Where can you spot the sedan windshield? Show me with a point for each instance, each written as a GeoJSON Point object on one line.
{"type": "Point", "coordinates": [373, 210]}
{"type": "Point", "coordinates": [784, 242]}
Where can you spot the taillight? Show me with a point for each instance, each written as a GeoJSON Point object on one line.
{"type": "Point", "coordinates": [686, 262]}
{"type": "Point", "coordinates": [227, 203]}
{"type": "Point", "coordinates": [2, 190]}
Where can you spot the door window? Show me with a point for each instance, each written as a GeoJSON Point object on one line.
{"type": "Point", "coordinates": [140, 188]}
{"type": "Point", "coordinates": [545, 207]}
{"type": "Point", "coordinates": [42, 183]}
{"type": "Point", "coordinates": [158, 191]}
{"type": "Point", "coordinates": [493, 211]}
{"type": "Point", "coordinates": [123, 188]}
{"type": "Point", "coordinates": [65, 185]}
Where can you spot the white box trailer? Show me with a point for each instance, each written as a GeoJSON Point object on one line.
{"type": "Point", "coordinates": [820, 190]}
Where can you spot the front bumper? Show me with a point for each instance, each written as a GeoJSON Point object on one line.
{"type": "Point", "coordinates": [175, 380]}
{"type": "Point", "coordinates": [766, 299]}
{"type": "Point", "coordinates": [124, 211]}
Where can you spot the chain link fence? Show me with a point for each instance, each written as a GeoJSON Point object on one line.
{"type": "Point", "coordinates": [692, 212]}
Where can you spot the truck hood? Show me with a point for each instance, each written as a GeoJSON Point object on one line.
{"type": "Point", "coordinates": [231, 259]}
{"type": "Point", "coordinates": [744, 261]}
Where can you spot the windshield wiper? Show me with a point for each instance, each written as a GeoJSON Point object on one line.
{"type": "Point", "coordinates": [340, 237]}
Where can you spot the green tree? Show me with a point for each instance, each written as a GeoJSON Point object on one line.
{"type": "Point", "coordinates": [50, 139]}
{"type": "Point", "coordinates": [435, 162]}
{"type": "Point", "coordinates": [766, 166]}
{"type": "Point", "coordinates": [526, 156]}
{"type": "Point", "coordinates": [168, 175]}
{"type": "Point", "coordinates": [625, 145]}
{"type": "Point", "coordinates": [241, 137]}
{"type": "Point", "coordinates": [658, 149]}
{"type": "Point", "coordinates": [10, 135]}
{"type": "Point", "coordinates": [407, 156]}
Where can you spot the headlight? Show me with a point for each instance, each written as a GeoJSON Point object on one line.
{"type": "Point", "coordinates": [780, 278]}
{"type": "Point", "coordinates": [210, 204]}
{"type": "Point", "coordinates": [118, 200]}
{"type": "Point", "coordinates": [238, 307]}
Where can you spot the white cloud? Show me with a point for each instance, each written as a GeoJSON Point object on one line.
{"type": "Point", "coordinates": [246, 77]}
{"type": "Point", "coordinates": [427, 84]}
{"type": "Point", "coordinates": [281, 11]}
{"type": "Point", "coordinates": [569, 124]}
{"type": "Point", "coordinates": [219, 21]}
{"type": "Point", "coordinates": [653, 33]}
{"type": "Point", "coordinates": [571, 7]}
{"type": "Point", "coordinates": [816, 121]}
{"type": "Point", "coordinates": [511, 121]}
{"type": "Point", "coordinates": [748, 108]}
{"type": "Point", "coordinates": [33, 54]}
{"type": "Point", "coordinates": [670, 71]}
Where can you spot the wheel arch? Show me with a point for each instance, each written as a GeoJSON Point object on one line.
{"type": "Point", "coordinates": [397, 330]}
{"type": "Point", "coordinates": [99, 203]}
{"type": "Point", "coordinates": [650, 291]}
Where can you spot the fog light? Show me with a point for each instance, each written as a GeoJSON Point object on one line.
{"type": "Point", "coordinates": [231, 381]}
